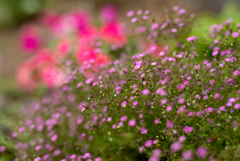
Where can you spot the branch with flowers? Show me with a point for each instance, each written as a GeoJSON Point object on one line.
{"type": "Point", "coordinates": [174, 98]}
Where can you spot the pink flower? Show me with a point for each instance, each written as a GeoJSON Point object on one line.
{"type": "Point", "coordinates": [73, 156]}
{"type": "Point", "coordinates": [236, 73]}
{"type": "Point", "coordinates": [86, 55]}
{"type": "Point", "coordinates": [25, 78]}
{"type": "Point", "coordinates": [216, 95]}
{"type": "Point", "coordinates": [87, 155]}
{"type": "Point", "coordinates": [163, 101]}
{"type": "Point", "coordinates": [141, 149]}
{"type": "Point", "coordinates": [98, 159]}
{"type": "Point", "coordinates": [169, 108]}
{"type": "Point", "coordinates": [53, 77]}
{"type": "Point", "coordinates": [181, 11]}
{"type": "Point", "coordinates": [235, 34]}
{"type": "Point", "coordinates": [154, 50]}
{"type": "Point", "coordinates": [182, 138]}
{"type": "Point", "coordinates": [148, 143]}
{"type": "Point", "coordinates": [130, 13]}
{"type": "Point", "coordinates": [170, 124]}
{"type": "Point", "coordinates": [143, 130]}
{"type": "Point", "coordinates": [63, 48]}
{"type": "Point", "coordinates": [187, 155]}
{"type": "Point", "coordinates": [212, 82]}
{"type": "Point", "coordinates": [109, 13]}
{"type": "Point", "coordinates": [191, 38]}
{"type": "Point", "coordinates": [124, 104]}
{"type": "Point", "coordinates": [202, 152]}
{"type": "Point", "coordinates": [37, 159]}
{"type": "Point", "coordinates": [188, 129]}
{"type": "Point", "coordinates": [155, 26]}
{"type": "Point", "coordinates": [132, 123]}
{"type": "Point", "coordinates": [173, 30]}
{"type": "Point", "coordinates": [181, 100]}
{"type": "Point", "coordinates": [175, 8]}
{"type": "Point", "coordinates": [176, 146]}
{"type": "Point", "coordinates": [57, 152]}
{"type": "Point", "coordinates": [237, 106]}
{"type": "Point", "coordinates": [113, 33]}
{"type": "Point", "coordinates": [54, 137]}
{"type": "Point", "coordinates": [156, 121]}
{"type": "Point", "coordinates": [215, 53]}
{"type": "Point", "coordinates": [197, 96]}
{"type": "Point", "coordinates": [30, 40]}
{"type": "Point", "coordinates": [135, 103]}
{"type": "Point", "coordinates": [2, 148]}
{"type": "Point", "coordinates": [209, 140]}
{"type": "Point", "coordinates": [134, 19]}
{"type": "Point", "coordinates": [161, 92]}
{"type": "Point", "coordinates": [124, 118]}
{"type": "Point", "coordinates": [190, 114]}
{"type": "Point", "coordinates": [145, 92]}
{"type": "Point", "coordinates": [38, 147]}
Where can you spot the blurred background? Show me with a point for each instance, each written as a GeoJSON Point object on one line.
{"type": "Point", "coordinates": [14, 14]}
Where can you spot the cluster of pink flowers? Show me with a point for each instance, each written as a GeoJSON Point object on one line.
{"type": "Point", "coordinates": [164, 102]}
{"type": "Point", "coordinates": [74, 34]}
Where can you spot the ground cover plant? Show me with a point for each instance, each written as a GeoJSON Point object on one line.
{"type": "Point", "coordinates": [176, 98]}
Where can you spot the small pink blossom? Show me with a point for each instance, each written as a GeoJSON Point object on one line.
{"type": "Point", "coordinates": [202, 152]}
{"type": "Point", "coordinates": [54, 138]}
{"type": "Point", "coordinates": [235, 34]}
{"type": "Point", "coordinates": [215, 53]}
{"type": "Point", "coordinates": [236, 73]}
{"type": "Point", "coordinates": [148, 143]}
{"type": "Point", "coordinates": [187, 155]}
{"type": "Point", "coordinates": [182, 138]}
{"type": "Point", "coordinates": [181, 11]}
{"type": "Point", "coordinates": [145, 92]}
{"type": "Point", "coordinates": [161, 92]}
{"type": "Point", "coordinates": [191, 38]}
{"type": "Point", "coordinates": [134, 20]}
{"type": "Point", "coordinates": [155, 26]}
{"type": "Point", "coordinates": [130, 13]}
{"type": "Point", "coordinates": [132, 123]}
{"type": "Point", "coordinates": [188, 129]}
{"type": "Point", "coordinates": [237, 106]}
{"type": "Point", "coordinates": [176, 146]}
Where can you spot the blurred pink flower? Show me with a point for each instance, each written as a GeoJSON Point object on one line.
{"type": "Point", "coordinates": [53, 77]}
{"type": "Point", "coordinates": [30, 40]}
{"type": "Point", "coordinates": [109, 13]}
{"type": "Point", "coordinates": [113, 33]}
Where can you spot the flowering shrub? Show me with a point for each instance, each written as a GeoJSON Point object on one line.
{"type": "Point", "coordinates": [179, 104]}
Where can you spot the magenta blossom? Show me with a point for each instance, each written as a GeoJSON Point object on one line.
{"type": "Point", "coordinates": [145, 92]}
{"type": "Point", "coordinates": [181, 100]}
{"type": "Point", "coordinates": [202, 152]}
{"type": "Point", "coordinates": [161, 92]}
{"type": "Point", "coordinates": [188, 129]}
{"type": "Point", "coordinates": [237, 106]}
{"type": "Point", "coordinates": [170, 124]}
{"type": "Point", "coordinates": [236, 73]}
{"type": "Point", "coordinates": [176, 146]}
{"type": "Point", "coordinates": [235, 34]}
{"type": "Point", "coordinates": [191, 38]}
{"type": "Point", "coordinates": [187, 155]}
{"type": "Point", "coordinates": [215, 53]}
{"type": "Point", "coordinates": [124, 104]}
{"type": "Point", "coordinates": [130, 13]}
{"type": "Point", "coordinates": [182, 138]}
{"type": "Point", "coordinates": [148, 143]}
{"type": "Point", "coordinates": [132, 123]}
